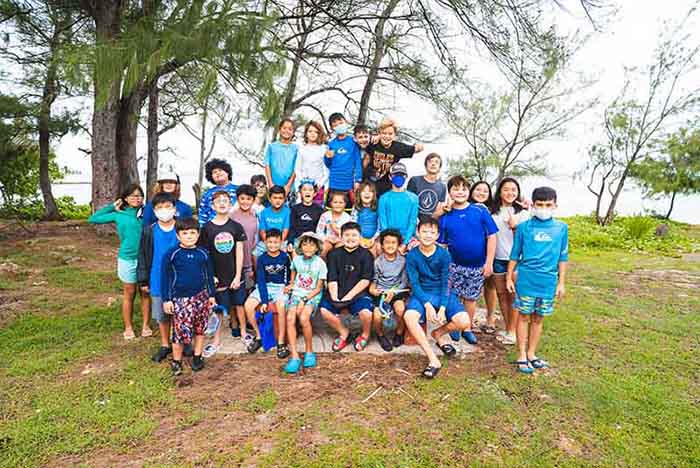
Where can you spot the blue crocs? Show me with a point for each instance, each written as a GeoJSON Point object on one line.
{"type": "Point", "coordinates": [309, 360]}
{"type": "Point", "coordinates": [455, 336]}
{"type": "Point", "coordinates": [469, 337]}
{"type": "Point", "coordinates": [292, 366]}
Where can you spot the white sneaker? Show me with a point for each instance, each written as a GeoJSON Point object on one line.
{"type": "Point", "coordinates": [210, 350]}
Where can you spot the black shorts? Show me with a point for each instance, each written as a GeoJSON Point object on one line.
{"type": "Point", "coordinates": [402, 296]}
{"type": "Point", "coordinates": [230, 298]}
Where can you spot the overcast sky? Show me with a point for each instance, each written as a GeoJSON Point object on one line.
{"type": "Point", "coordinates": [628, 40]}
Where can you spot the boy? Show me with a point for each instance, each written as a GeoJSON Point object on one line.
{"type": "Point", "coordinates": [431, 191]}
{"type": "Point", "coordinates": [275, 216]}
{"type": "Point", "coordinates": [156, 240]}
{"type": "Point", "coordinates": [224, 239]}
{"type": "Point", "coordinates": [350, 270]}
{"type": "Point", "coordinates": [469, 233]}
{"type": "Point", "coordinates": [272, 274]}
{"type": "Point", "coordinates": [428, 269]}
{"type": "Point", "coordinates": [243, 214]}
{"type": "Point", "coordinates": [390, 285]}
{"type": "Point", "coordinates": [343, 158]}
{"type": "Point", "coordinates": [398, 209]}
{"type": "Point", "coordinates": [305, 214]}
{"type": "Point", "coordinates": [219, 173]}
{"type": "Point", "coordinates": [362, 138]}
{"type": "Point", "coordinates": [541, 252]}
{"type": "Point", "coordinates": [188, 292]}
{"type": "Point", "coordinates": [384, 154]}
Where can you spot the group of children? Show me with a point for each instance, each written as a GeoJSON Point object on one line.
{"type": "Point", "coordinates": [331, 228]}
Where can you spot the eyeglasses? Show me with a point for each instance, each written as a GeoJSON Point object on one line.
{"type": "Point", "coordinates": [134, 196]}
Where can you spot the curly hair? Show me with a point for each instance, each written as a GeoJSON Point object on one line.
{"type": "Point", "coordinates": [217, 164]}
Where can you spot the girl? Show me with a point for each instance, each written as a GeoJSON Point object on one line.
{"type": "Point", "coordinates": [331, 221]}
{"type": "Point", "coordinates": [310, 159]}
{"type": "Point", "coordinates": [124, 213]}
{"type": "Point", "coordinates": [259, 183]}
{"type": "Point", "coordinates": [365, 214]}
{"type": "Point", "coordinates": [308, 275]}
{"type": "Point", "coordinates": [480, 193]}
{"type": "Point", "coordinates": [507, 211]}
{"type": "Point", "coordinates": [167, 183]}
{"type": "Point", "coordinates": [281, 156]}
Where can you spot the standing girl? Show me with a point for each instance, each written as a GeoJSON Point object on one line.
{"type": "Point", "coordinates": [331, 221]}
{"type": "Point", "coordinates": [124, 213]}
{"type": "Point", "coordinates": [310, 155]}
{"type": "Point", "coordinates": [507, 211]}
{"type": "Point", "coordinates": [364, 213]}
{"type": "Point", "coordinates": [167, 183]}
{"type": "Point", "coordinates": [480, 194]}
{"type": "Point", "coordinates": [281, 157]}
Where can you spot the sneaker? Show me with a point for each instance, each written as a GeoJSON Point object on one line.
{"type": "Point", "coordinates": [455, 336]}
{"type": "Point", "coordinates": [188, 351]}
{"type": "Point", "coordinates": [161, 354]}
{"type": "Point", "coordinates": [385, 343]}
{"type": "Point", "coordinates": [236, 332]}
{"type": "Point", "coordinates": [470, 337]}
{"type": "Point", "coordinates": [398, 341]}
{"type": "Point", "coordinates": [210, 350]}
{"type": "Point", "coordinates": [197, 363]}
{"type": "Point", "coordinates": [254, 346]}
{"type": "Point", "coordinates": [176, 368]}
{"type": "Point", "coordinates": [247, 339]}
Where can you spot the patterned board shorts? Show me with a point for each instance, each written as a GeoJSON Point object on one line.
{"type": "Point", "coordinates": [527, 305]}
{"type": "Point", "coordinates": [466, 282]}
{"type": "Point", "coordinates": [190, 317]}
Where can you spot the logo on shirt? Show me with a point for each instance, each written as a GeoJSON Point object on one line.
{"type": "Point", "coordinates": [305, 281]}
{"type": "Point", "coordinates": [223, 242]}
{"type": "Point", "coordinates": [428, 199]}
{"type": "Point", "coordinates": [542, 236]}
{"type": "Point", "coordinates": [349, 268]}
{"type": "Point", "coordinates": [342, 151]}
{"type": "Point", "coordinates": [306, 217]}
{"type": "Point", "coordinates": [274, 269]}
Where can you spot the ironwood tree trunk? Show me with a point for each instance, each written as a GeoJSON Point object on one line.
{"type": "Point", "coordinates": [152, 131]}
{"type": "Point", "coordinates": [670, 208]}
{"type": "Point", "coordinates": [47, 99]}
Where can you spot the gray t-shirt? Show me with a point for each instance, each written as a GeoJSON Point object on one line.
{"type": "Point", "coordinates": [429, 193]}
{"type": "Point", "coordinates": [388, 274]}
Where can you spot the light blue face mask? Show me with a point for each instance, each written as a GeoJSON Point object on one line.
{"type": "Point", "coordinates": [342, 129]}
{"type": "Point", "coordinates": [398, 180]}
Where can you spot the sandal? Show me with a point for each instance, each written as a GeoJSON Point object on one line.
{"type": "Point", "coordinates": [340, 343]}
{"type": "Point", "coordinates": [524, 367]}
{"type": "Point", "coordinates": [146, 332]}
{"type": "Point", "coordinates": [129, 335]}
{"type": "Point", "coordinates": [360, 343]}
{"type": "Point", "coordinates": [538, 363]}
{"type": "Point", "coordinates": [282, 351]}
{"type": "Point", "coordinates": [488, 329]}
{"type": "Point", "coordinates": [210, 350]}
{"type": "Point", "coordinates": [447, 349]}
{"type": "Point", "coordinates": [430, 372]}
{"type": "Point", "coordinates": [254, 346]}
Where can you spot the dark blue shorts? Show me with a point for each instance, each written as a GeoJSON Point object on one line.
{"type": "Point", "coordinates": [453, 308]}
{"type": "Point", "coordinates": [500, 267]}
{"type": "Point", "coordinates": [360, 303]}
{"type": "Point", "coordinates": [230, 298]}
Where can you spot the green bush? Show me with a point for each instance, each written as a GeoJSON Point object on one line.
{"type": "Point", "coordinates": [633, 233]}
{"type": "Point", "coordinates": [33, 210]}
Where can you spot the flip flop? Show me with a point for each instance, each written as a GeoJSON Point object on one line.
{"type": "Point", "coordinates": [524, 367]}
{"type": "Point", "coordinates": [146, 332]}
{"type": "Point", "coordinates": [538, 363]}
{"type": "Point", "coordinates": [447, 349]}
{"type": "Point", "coordinates": [430, 372]}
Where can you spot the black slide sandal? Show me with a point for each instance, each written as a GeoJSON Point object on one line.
{"type": "Point", "coordinates": [447, 349]}
{"type": "Point", "coordinates": [430, 372]}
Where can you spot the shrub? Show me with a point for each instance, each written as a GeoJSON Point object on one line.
{"type": "Point", "coordinates": [33, 209]}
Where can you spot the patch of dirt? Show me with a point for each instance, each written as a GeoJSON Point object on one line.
{"type": "Point", "coordinates": [646, 282]}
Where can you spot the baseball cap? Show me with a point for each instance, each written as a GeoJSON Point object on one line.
{"type": "Point", "coordinates": [169, 175]}
{"type": "Point", "coordinates": [398, 168]}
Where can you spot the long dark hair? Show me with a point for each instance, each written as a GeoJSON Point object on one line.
{"type": "Point", "coordinates": [131, 188]}
{"type": "Point", "coordinates": [496, 203]}
{"type": "Point", "coordinates": [489, 201]}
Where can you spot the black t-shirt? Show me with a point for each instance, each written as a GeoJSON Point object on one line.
{"type": "Point", "coordinates": [348, 268]}
{"type": "Point", "coordinates": [220, 241]}
{"type": "Point", "coordinates": [380, 161]}
{"type": "Point", "coordinates": [303, 218]}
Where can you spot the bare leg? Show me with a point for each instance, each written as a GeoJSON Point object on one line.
{"type": "Point", "coordinates": [292, 330]}
{"type": "Point", "coordinates": [217, 333]}
{"type": "Point", "coordinates": [198, 344]}
{"type": "Point", "coordinates": [470, 307]}
{"type": "Point", "coordinates": [412, 318]}
{"type": "Point", "coordinates": [377, 322]}
{"type": "Point", "coordinates": [128, 306]}
{"type": "Point", "coordinates": [281, 322]}
{"type": "Point", "coordinates": [306, 329]}
{"type": "Point", "coordinates": [535, 333]}
{"type": "Point", "coordinates": [521, 334]}
{"type": "Point", "coordinates": [250, 306]}
{"type": "Point", "coordinates": [177, 351]}
{"type": "Point", "coordinates": [399, 310]}
{"type": "Point", "coordinates": [164, 329]}
{"type": "Point", "coordinates": [335, 323]}
{"type": "Point", "coordinates": [458, 323]}
{"type": "Point", "coordinates": [490, 297]}
{"type": "Point", "coordinates": [146, 310]}
{"type": "Point", "coordinates": [366, 320]}
{"type": "Point", "coordinates": [240, 313]}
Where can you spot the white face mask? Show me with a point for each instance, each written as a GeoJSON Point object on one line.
{"type": "Point", "coordinates": [165, 214]}
{"type": "Point", "coordinates": [542, 214]}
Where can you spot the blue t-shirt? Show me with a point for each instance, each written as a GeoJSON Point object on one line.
{"type": "Point", "coordinates": [281, 158]}
{"type": "Point", "coordinates": [186, 273]}
{"type": "Point", "coordinates": [464, 231]}
{"type": "Point", "coordinates": [271, 270]}
{"type": "Point", "coordinates": [163, 241]}
{"type": "Point", "coordinates": [271, 219]}
{"type": "Point", "coordinates": [368, 219]}
{"type": "Point", "coordinates": [182, 211]}
{"type": "Point", "coordinates": [538, 247]}
{"type": "Point", "coordinates": [206, 212]}
{"type": "Point", "coordinates": [428, 276]}
{"type": "Point", "coordinates": [345, 167]}
{"type": "Point", "coordinates": [399, 210]}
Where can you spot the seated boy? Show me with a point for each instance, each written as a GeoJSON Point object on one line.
{"type": "Point", "coordinates": [272, 273]}
{"type": "Point", "coordinates": [398, 209]}
{"type": "Point", "coordinates": [540, 252]}
{"type": "Point", "coordinates": [275, 216]}
{"type": "Point", "coordinates": [390, 287]}
{"type": "Point", "coordinates": [350, 270]}
{"type": "Point", "coordinates": [188, 292]}
{"type": "Point", "coordinates": [343, 158]}
{"type": "Point", "coordinates": [305, 214]}
{"type": "Point", "coordinates": [428, 269]}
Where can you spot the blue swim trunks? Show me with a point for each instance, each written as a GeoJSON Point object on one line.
{"type": "Point", "coordinates": [528, 305]}
{"type": "Point", "coordinates": [360, 303]}
{"type": "Point", "coordinates": [453, 308]}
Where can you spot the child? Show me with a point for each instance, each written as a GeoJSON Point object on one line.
{"type": "Point", "coordinates": [428, 269]}
{"type": "Point", "coordinates": [384, 154]}
{"type": "Point", "coordinates": [308, 275]}
{"type": "Point", "coordinates": [156, 240]}
{"type": "Point", "coordinates": [364, 213]}
{"type": "Point", "coordinates": [480, 194]}
{"type": "Point", "coordinates": [219, 173]}
{"type": "Point", "coordinates": [350, 270]}
{"type": "Point", "coordinates": [305, 214]}
{"type": "Point", "coordinates": [224, 239]}
{"type": "Point", "coordinates": [275, 216]}
{"type": "Point", "coordinates": [272, 274]}
{"type": "Point", "coordinates": [469, 233]}
{"type": "Point", "coordinates": [188, 293]}
{"type": "Point", "coordinates": [280, 158]}
{"type": "Point", "coordinates": [310, 159]}
{"type": "Point", "coordinates": [362, 138]}
{"type": "Point", "coordinates": [262, 201]}
{"type": "Point", "coordinates": [331, 222]}
{"type": "Point", "coordinates": [124, 213]}
{"type": "Point", "coordinates": [540, 252]}
{"type": "Point", "coordinates": [243, 214]}
{"type": "Point", "coordinates": [390, 285]}
{"type": "Point", "coordinates": [431, 191]}
{"type": "Point", "coordinates": [398, 209]}
{"type": "Point", "coordinates": [167, 183]}
{"type": "Point", "coordinates": [343, 158]}
{"type": "Point", "coordinates": [507, 213]}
